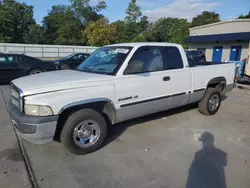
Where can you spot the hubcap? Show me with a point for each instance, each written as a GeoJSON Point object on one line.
{"type": "Point", "coordinates": [86, 133]}
{"type": "Point", "coordinates": [64, 67]}
{"type": "Point", "coordinates": [214, 102]}
{"type": "Point", "coordinates": [35, 72]}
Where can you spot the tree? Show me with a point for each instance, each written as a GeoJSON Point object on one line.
{"type": "Point", "coordinates": [139, 38]}
{"type": "Point", "coordinates": [127, 31]}
{"type": "Point", "coordinates": [205, 18]}
{"type": "Point", "coordinates": [15, 19]}
{"type": "Point", "coordinates": [133, 12]}
{"type": "Point", "coordinates": [100, 33]}
{"type": "Point", "coordinates": [35, 35]}
{"type": "Point", "coordinates": [168, 30]}
{"type": "Point", "coordinates": [62, 27]}
{"type": "Point", "coordinates": [244, 16]}
{"type": "Point", "coordinates": [86, 13]}
{"type": "Point", "coordinates": [70, 34]}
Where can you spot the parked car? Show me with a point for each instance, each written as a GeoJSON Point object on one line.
{"type": "Point", "coordinates": [195, 55]}
{"type": "Point", "coordinates": [71, 61]}
{"type": "Point", "coordinates": [13, 66]}
{"type": "Point", "coordinates": [126, 81]}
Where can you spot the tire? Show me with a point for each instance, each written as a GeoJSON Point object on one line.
{"type": "Point", "coordinates": [205, 107]}
{"type": "Point", "coordinates": [35, 71]}
{"type": "Point", "coordinates": [78, 143]}
{"type": "Point", "coordinates": [64, 67]}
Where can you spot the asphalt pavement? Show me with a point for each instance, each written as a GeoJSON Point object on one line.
{"type": "Point", "coordinates": [160, 150]}
{"type": "Point", "coordinates": [12, 166]}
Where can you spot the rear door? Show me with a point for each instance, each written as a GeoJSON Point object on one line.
{"type": "Point", "coordinates": [180, 82]}
{"type": "Point", "coordinates": [8, 67]}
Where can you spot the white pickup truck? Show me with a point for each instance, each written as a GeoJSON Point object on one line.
{"type": "Point", "coordinates": [116, 83]}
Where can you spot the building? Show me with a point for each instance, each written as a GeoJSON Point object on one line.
{"type": "Point", "coordinates": [223, 41]}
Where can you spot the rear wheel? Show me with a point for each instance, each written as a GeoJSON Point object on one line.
{"type": "Point", "coordinates": [35, 71]}
{"type": "Point", "coordinates": [211, 102]}
{"type": "Point", "coordinates": [64, 67]}
{"type": "Point", "coordinates": [84, 132]}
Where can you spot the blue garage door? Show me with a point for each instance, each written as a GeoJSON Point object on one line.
{"type": "Point", "coordinates": [235, 53]}
{"type": "Point", "coordinates": [217, 53]}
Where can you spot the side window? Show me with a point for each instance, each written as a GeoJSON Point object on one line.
{"type": "Point", "coordinates": [145, 59]}
{"type": "Point", "coordinates": [74, 57]}
{"type": "Point", "coordinates": [6, 59]}
{"type": "Point", "coordinates": [202, 50]}
{"type": "Point", "coordinates": [172, 58]}
{"type": "Point", "coordinates": [80, 56]}
{"type": "Point", "coordinates": [2, 59]}
{"type": "Point", "coordinates": [21, 59]}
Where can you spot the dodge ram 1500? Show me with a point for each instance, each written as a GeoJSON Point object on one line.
{"type": "Point", "coordinates": [116, 83]}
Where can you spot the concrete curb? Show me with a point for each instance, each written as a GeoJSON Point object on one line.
{"type": "Point", "coordinates": [242, 86]}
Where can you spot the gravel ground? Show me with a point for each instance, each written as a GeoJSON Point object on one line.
{"type": "Point", "coordinates": [160, 150]}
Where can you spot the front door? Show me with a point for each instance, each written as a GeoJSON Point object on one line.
{"type": "Point", "coordinates": [235, 53]}
{"type": "Point", "coordinates": [151, 83]}
{"type": "Point", "coordinates": [217, 54]}
{"type": "Point", "coordinates": [8, 68]}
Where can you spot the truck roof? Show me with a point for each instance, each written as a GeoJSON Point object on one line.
{"type": "Point", "coordinates": [139, 44]}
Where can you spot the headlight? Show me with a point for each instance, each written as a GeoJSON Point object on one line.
{"type": "Point", "coordinates": [37, 110]}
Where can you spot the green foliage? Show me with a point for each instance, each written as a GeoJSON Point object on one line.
{"type": "Point", "coordinates": [35, 35]}
{"type": "Point", "coordinates": [205, 18]}
{"type": "Point", "coordinates": [100, 33]}
{"type": "Point", "coordinates": [127, 31]}
{"type": "Point", "coordinates": [86, 13]}
{"type": "Point", "coordinates": [133, 12]}
{"type": "Point", "coordinates": [62, 27]}
{"type": "Point", "coordinates": [168, 30]}
{"type": "Point", "coordinates": [139, 38]}
{"type": "Point", "coordinates": [15, 19]}
{"type": "Point", "coordinates": [247, 16]}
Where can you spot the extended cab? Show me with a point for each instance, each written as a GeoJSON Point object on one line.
{"type": "Point", "coordinates": [116, 83]}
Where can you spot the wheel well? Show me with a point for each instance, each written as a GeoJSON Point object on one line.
{"type": "Point", "coordinates": [36, 68]}
{"type": "Point", "coordinates": [218, 83]}
{"type": "Point", "coordinates": [103, 107]}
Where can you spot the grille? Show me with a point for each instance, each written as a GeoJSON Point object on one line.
{"type": "Point", "coordinates": [16, 99]}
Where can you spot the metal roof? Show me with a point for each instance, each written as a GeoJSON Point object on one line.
{"type": "Point", "coordinates": [218, 37]}
{"type": "Point", "coordinates": [220, 23]}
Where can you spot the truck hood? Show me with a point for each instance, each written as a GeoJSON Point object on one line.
{"type": "Point", "coordinates": [59, 80]}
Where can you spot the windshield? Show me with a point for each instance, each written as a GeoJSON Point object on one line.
{"type": "Point", "coordinates": [106, 60]}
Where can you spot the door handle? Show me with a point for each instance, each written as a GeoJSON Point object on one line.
{"type": "Point", "coordinates": [166, 78]}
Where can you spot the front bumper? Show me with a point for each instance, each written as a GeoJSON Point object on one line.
{"type": "Point", "coordinates": [38, 130]}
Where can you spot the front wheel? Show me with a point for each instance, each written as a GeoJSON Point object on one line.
{"type": "Point", "coordinates": [84, 132]}
{"type": "Point", "coordinates": [211, 102]}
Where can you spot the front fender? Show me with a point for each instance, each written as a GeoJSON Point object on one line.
{"type": "Point", "coordinates": [106, 106]}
